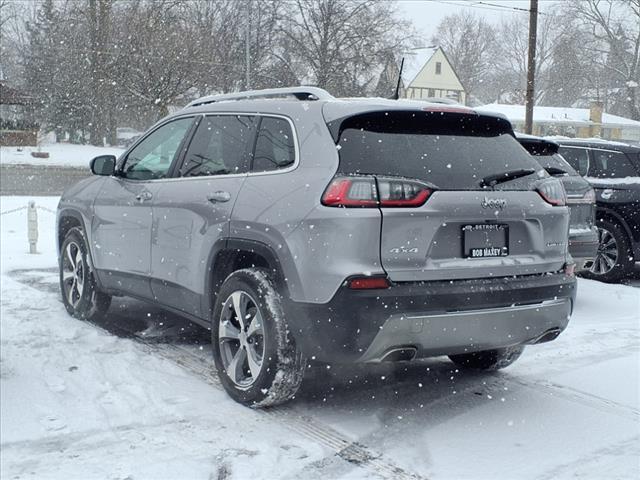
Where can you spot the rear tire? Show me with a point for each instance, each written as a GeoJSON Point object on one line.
{"type": "Point", "coordinates": [80, 294]}
{"type": "Point", "coordinates": [256, 357]}
{"type": "Point", "coordinates": [614, 258]}
{"type": "Point", "coordinates": [488, 359]}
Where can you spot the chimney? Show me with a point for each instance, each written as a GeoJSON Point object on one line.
{"type": "Point", "coordinates": [595, 115]}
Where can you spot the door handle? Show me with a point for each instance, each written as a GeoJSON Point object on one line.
{"type": "Point", "coordinates": [143, 196]}
{"type": "Point", "coordinates": [219, 196]}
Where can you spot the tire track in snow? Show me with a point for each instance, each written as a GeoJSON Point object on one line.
{"type": "Point", "coordinates": [326, 436]}
{"type": "Point", "coordinates": [343, 448]}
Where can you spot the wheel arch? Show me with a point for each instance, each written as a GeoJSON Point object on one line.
{"type": "Point", "coordinates": [234, 254]}
{"type": "Point", "coordinates": [69, 218]}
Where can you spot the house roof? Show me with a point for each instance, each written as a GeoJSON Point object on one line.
{"type": "Point", "coordinates": [11, 96]}
{"type": "Point", "coordinates": [414, 61]}
{"type": "Point", "coordinates": [569, 116]}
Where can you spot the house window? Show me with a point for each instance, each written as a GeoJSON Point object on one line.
{"type": "Point", "coordinates": [438, 68]}
{"type": "Point", "coordinates": [432, 92]}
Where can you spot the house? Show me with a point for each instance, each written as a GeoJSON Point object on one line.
{"type": "Point", "coordinates": [571, 122]}
{"type": "Point", "coordinates": [16, 126]}
{"type": "Point", "coordinates": [427, 73]}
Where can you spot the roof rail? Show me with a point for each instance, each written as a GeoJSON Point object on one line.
{"type": "Point", "coordinates": [301, 93]}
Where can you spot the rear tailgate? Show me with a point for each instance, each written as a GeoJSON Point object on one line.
{"type": "Point", "coordinates": [464, 230]}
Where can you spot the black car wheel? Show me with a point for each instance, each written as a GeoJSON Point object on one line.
{"type": "Point", "coordinates": [80, 294]}
{"type": "Point", "coordinates": [256, 357]}
{"type": "Point", "coordinates": [613, 259]}
{"type": "Point", "coordinates": [488, 359]}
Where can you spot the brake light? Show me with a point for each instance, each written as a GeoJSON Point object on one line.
{"type": "Point", "coordinates": [367, 191]}
{"type": "Point", "coordinates": [351, 192]}
{"type": "Point", "coordinates": [552, 191]}
{"type": "Point", "coordinates": [436, 108]}
{"type": "Point", "coordinates": [368, 283]}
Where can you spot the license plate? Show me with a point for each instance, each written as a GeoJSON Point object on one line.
{"type": "Point", "coordinates": [485, 240]}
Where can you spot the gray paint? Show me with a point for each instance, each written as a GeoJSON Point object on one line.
{"type": "Point", "coordinates": [169, 237]}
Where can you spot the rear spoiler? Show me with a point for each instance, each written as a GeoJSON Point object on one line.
{"type": "Point", "coordinates": [537, 146]}
{"type": "Point", "coordinates": [432, 119]}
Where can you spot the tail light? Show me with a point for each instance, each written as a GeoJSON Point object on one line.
{"type": "Point", "coordinates": [367, 191]}
{"type": "Point", "coordinates": [552, 191]}
{"type": "Point", "coordinates": [588, 198]}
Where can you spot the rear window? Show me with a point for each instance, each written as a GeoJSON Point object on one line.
{"type": "Point", "coordinates": [557, 162]}
{"type": "Point", "coordinates": [450, 151]}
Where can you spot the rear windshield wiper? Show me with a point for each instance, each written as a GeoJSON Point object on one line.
{"type": "Point", "coordinates": [496, 178]}
{"type": "Point", "coordinates": [555, 171]}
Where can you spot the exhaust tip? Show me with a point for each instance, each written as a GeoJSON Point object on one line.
{"type": "Point", "coordinates": [547, 336]}
{"type": "Point", "coordinates": [402, 354]}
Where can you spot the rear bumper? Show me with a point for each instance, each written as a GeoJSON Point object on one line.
{"type": "Point", "coordinates": [583, 247]}
{"type": "Point", "coordinates": [434, 318]}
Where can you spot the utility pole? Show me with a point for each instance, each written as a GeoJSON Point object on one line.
{"type": "Point", "coordinates": [247, 47]}
{"type": "Point", "coordinates": [531, 65]}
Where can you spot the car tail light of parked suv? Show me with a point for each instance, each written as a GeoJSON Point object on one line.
{"type": "Point", "coordinates": [369, 191]}
{"type": "Point", "coordinates": [552, 191]}
{"type": "Point", "coordinates": [588, 198]}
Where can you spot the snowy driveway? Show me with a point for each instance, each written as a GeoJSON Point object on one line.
{"type": "Point", "coordinates": [134, 397]}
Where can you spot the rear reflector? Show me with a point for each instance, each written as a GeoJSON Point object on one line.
{"type": "Point", "coordinates": [367, 283]}
{"type": "Point", "coordinates": [367, 191]}
{"type": "Point", "coordinates": [570, 269]}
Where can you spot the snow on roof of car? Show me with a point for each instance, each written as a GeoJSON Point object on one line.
{"type": "Point", "coordinates": [516, 113]}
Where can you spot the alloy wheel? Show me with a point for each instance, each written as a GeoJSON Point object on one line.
{"type": "Point", "coordinates": [241, 339]}
{"type": "Point", "coordinates": [73, 274]}
{"type": "Point", "coordinates": [607, 253]}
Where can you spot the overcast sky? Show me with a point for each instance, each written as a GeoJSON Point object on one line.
{"type": "Point", "coordinates": [426, 14]}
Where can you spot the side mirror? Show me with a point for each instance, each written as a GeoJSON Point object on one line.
{"type": "Point", "coordinates": [103, 165]}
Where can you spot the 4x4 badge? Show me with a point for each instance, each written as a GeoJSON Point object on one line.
{"type": "Point", "coordinates": [403, 250]}
{"type": "Point", "coordinates": [494, 203]}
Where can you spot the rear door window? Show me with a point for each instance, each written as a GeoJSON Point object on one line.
{"type": "Point", "coordinates": [220, 146]}
{"type": "Point", "coordinates": [274, 146]}
{"type": "Point", "coordinates": [610, 164]}
{"type": "Point", "coordinates": [450, 151]}
{"type": "Point", "coordinates": [578, 158]}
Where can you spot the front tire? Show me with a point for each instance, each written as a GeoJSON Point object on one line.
{"type": "Point", "coordinates": [80, 293]}
{"type": "Point", "coordinates": [257, 360]}
{"type": "Point", "coordinates": [488, 359]}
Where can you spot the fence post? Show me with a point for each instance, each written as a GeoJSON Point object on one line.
{"type": "Point", "coordinates": [32, 226]}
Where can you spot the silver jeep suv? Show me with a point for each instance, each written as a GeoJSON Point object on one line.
{"type": "Point", "coordinates": [297, 227]}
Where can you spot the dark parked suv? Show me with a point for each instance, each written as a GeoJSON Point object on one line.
{"type": "Point", "coordinates": [613, 169]}
{"type": "Point", "coordinates": [581, 198]}
{"type": "Point", "coordinates": [298, 227]}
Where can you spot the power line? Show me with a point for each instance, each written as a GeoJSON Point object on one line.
{"type": "Point", "coordinates": [487, 6]}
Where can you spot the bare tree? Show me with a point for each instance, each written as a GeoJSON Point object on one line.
{"type": "Point", "coordinates": [470, 45]}
{"type": "Point", "coordinates": [341, 43]}
{"type": "Point", "coordinates": [511, 58]}
{"type": "Point", "coordinates": [614, 26]}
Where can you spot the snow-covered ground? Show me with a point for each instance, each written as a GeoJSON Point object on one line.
{"type": "Point", "coordinates": [134, 397]}
{"type": "Point", "coordinates": [60, 154]}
